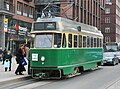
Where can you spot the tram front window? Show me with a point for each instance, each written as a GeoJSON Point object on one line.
{"type": "Point", "coordinates": [111, 48]}
{"type": "Point", "coordinates": [43, 41]}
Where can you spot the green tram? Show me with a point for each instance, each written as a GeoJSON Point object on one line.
{"type": "Point", "coordinates": [64, 48]}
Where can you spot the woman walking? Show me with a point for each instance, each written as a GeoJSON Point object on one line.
{"type": "Point", "coordinates": [20, 57]}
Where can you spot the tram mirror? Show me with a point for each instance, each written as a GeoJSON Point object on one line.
{"type": "Point", "coordinates": [79, 28]}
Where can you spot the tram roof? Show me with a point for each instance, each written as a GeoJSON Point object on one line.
{"type": "Point", "coordinates": [71, 26]}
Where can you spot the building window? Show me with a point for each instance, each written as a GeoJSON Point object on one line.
{"type": "Point", "coordinates": [7, 6]}
{"type": "Point", "coordinates": [107, 20]}
{"type": "Point", "coordinates": [107, 39]}
{"type": "Point", "coordinates": [107, 29]}
{"type": "Point", "coordinates": [107, 10]}
{"type": "Point", "coordinates": [25, 10]}
{"type": "Point", "coordinates": [108, 1]}
{"type": "Point", "coordinates": [19, 8]}
{"type": "Point", "coordinates": [31, 12]}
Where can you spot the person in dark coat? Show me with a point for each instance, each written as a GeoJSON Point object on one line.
{"type": "Point", "coordinates": [0, 53]}
{"type": "Point", "coordinates": [20, 56]}
{"type": "Point", "coordinates": [7, 61]}
{"type": "Point", "coordinates": [4, 54]}
{"type": "Point", "coordinates": [9, 55]}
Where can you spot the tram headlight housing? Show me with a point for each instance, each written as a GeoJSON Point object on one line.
{"type": "Point", "coordinates": [34, 57]}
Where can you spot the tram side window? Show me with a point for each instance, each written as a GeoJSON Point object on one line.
{"type": "Point", "coordinates": [70, 40]}
{"type": "Point", "coordinates": [91, 41]}
{"type": "Point", "coordinates": [80, 41]}
{"type": "Point", "coordinates": [75, 40]}
{"type": "Point", "coordinates": [98, 42]}
{"type": "Point", "coordinates": [88, 41]}
{"type": "Point", "coordinates": [57, 40]}
{"type": "Point", "coordinates": [64, 41]}
{"type": "Point", "coordinates": [84, 41]}
{"type": "Point", "coordinates": [95, 42]}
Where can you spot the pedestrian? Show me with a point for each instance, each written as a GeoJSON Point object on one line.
{"type": "Point", "coordinates": [27, 50]}
{"type": "Point", "coordinates": [0, 53]}
{"type": "Point", "coordinates": [20, 56]}
{"type": "Point", "coordinates": [6, 64]}
{"type": "Point", "coordinates": [4, 54]}
{"type": "Point", "coordinates": [9, 56]}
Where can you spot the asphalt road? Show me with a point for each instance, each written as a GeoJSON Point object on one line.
{"type": "Point", "coordinates": [103, 78]}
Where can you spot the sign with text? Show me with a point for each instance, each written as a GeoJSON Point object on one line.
{"type": "Point", "coordinates": [5, 25]}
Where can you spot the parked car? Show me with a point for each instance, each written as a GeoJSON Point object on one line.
{"type": "Point", "coordinates": [110, 58]}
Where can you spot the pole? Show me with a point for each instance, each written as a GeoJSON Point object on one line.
{"type": "Point", "coordinates": [26, 35]}
{"type": "Point", "coordinates": [11, 45]}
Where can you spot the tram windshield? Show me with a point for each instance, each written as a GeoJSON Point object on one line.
{"type": "Point", "coordinates": [111, 47]}
{"type": "Point", "coordinates": [46, 40]}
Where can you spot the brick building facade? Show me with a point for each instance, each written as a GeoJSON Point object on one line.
{"type": "Point", "coordinates": [21, 15]}
{"type": "Point", "coordinates": [85, 11]}
{"type": "Point", "coordinates": [111, 21]}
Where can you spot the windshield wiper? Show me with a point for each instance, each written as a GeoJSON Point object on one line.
{"type": "Point", "coordinates": [49, 38]}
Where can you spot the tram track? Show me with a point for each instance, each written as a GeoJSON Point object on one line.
{"type": "Point", "coordinates": [17, 82]}
{"type": "Point", "coordinates": [24, 83]}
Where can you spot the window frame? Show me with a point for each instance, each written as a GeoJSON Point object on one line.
{"type": "Point", "coordinates": [107, 10]}
{"type": "Point", "coordinates": [80, 39]}
{"type": "Point", "coordinates": [70, 40]}
{"type": "Point", "coordinates": [75, 41]}
{"type": "Point", "coordinates": [84, 41]}
{"type": "Point", "coordinates": [88, 41]}
{"type": "Point", "coordinates": [107, 19]}
{"type": "Point", "coordinates": [19, 8]}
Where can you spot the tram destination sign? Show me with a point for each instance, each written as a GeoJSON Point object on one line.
{"type": "Point", "coordinates": [44, 26]}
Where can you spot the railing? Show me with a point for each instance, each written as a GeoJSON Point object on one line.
{"type": "Point", "coordinates": [7, 7]}
{"type": "Point", "coordinates": [44, 1]}
{"type": "Point", "coordinates": [51, 1]}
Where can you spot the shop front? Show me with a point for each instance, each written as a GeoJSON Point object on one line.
{"type": "Point", "coordinates": [14, 36]}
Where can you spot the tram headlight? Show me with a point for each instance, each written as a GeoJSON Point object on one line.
{"type": "Point", "coordinates": [33, 35]}
{"type": "Point", "coordinates": [42, 58]}
{"type": "Point", "coordinates": [34, 57]}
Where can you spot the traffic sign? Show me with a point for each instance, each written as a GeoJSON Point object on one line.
{"type": "Point", "coordinates": [5, 29]}
{"type": "Point", "coordinates": [5, 21]}
{"type": "Point", "coordinates": [6, 25]}
{"type": "Point", "coordinates": [11, 35]}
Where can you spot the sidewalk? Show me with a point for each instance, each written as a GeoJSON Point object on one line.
{"type": "Point", "coordinates": [10, 75]}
